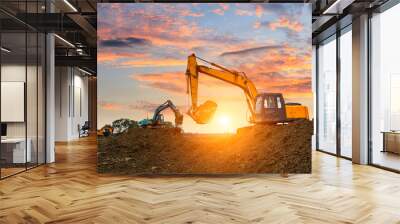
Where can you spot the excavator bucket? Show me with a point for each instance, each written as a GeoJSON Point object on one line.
{"type": "Point", "coordinates": [178, 120]}
{"type": "Point", "coordinates": [203, 113]}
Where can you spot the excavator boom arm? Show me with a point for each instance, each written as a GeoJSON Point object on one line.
{"type": "Point", "coordinates": [235, 78]}
{"type": "Point", "coordinates": [169, 104]}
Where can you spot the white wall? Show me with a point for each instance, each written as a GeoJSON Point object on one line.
{"type": "Point", "coordinates": [71, 102]}
{"type": "Point", "coordinates": [62, 82]}
{"type": "Point", "coordinates": [80, 104]}
{"type": "Point", "coordinates": [16, 73]}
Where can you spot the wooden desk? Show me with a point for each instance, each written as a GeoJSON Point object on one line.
{"type": "Point", "coordinates": [391, 141]}
{"type": "Point", "coordinates": [13, 150]}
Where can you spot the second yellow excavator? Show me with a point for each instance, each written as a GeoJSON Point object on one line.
{"type": "Point", "coordinates": [264, 107]}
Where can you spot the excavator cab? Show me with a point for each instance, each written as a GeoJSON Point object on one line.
{"type": "Point", "coordinates": [159, 120]}
{"type": "Point", "coordinates": [270, 108]}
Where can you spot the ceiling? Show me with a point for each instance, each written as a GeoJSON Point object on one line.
{"type": "Point", "coordinates": [331, 15]}
{"type": "Point", "coordinates": [74, 22]}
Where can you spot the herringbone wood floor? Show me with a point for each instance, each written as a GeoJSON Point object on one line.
{"type": "Point", "coordinates": [70, 191]}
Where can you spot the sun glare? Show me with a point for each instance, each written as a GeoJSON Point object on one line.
{"type": "Point", "coordinates": [224, 121]}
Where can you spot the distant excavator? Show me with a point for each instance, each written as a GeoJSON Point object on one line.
{"type": "Point", "coordinates": [158, 118]}
{"type": "Point", "coordinates": [264, 107]}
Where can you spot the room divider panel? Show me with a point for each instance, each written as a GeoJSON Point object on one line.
{"type": "Point", "coordinates": [22, 77]}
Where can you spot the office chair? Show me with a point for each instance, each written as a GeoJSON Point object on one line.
{"type": "Point", "coordinates": [84, 130]}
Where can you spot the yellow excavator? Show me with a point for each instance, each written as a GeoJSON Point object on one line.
{"type": "Point", "coordinates": [264, 107]}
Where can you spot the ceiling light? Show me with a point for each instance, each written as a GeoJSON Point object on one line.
{"type": "Point", "coordinates": [80, 51]}
{"type": "Point", "coordinates": [84, 71]}
{"type": "Point", "coordinates": [5, 50]}
{"type": "Point", "coordinates": [64, 40]}
{"type": "Point", "coordinates": [331, 7]}
{"type": "Point", "coordinates": [70, 5]}
{"type": "Point", "coordinates": [338, 6]}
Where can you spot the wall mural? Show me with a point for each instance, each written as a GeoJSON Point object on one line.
{"type": "Point", "coordinates": [200, 88]}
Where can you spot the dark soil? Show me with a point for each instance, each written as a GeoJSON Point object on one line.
{"type": "Point", "coordinates": [254, 149]}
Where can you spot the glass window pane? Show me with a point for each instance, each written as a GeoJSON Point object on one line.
{"type": "Point", "coordinates": [385, 86]}
{"type": "Point", "coordinates": [259, 105]}
{"type": "Point", "coordinates": [32, 88]}
{"type": "Point", "coordinates": [41, 98]}
{"type": "Point", "coordinates": [31, 97]}
{"type": "Point", "coordinates": [327, 96]}
{"type": "Point", "coordinates": [314, 90]}
{"type": "Point", "coordinates": [346, 94]}
{"type": "Point", "coordinates": [279, 102]}
{"type": "Point", "coordinates": [13, 86]}
{"type": "Point", "coordinates": [23, 90]}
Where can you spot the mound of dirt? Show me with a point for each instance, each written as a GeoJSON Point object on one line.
{"type": "Point", "coordinates": [254, 149]}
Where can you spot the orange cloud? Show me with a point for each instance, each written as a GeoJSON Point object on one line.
{"type": "Point", "coordinates": [154, 63]}
{"type": "Point", "coordinates": [275, 62]}
{"type": "Point", "coordinates": [166, 30]}
{"type": "Point", "coordinates": [158, 29]}
{"type": "Point", "coordinates": [144, 105]}
{"type": "Point", "coordinates": [111, 106]}
{"type": "Point", "coordinates": [224, 6]}
{"type": "Point", "coordinates": [259, 10]}
{"type": "Point", "coordinates": [110, 56]}
{"type": "Point", "coordinates": [286, 23]}
{"type": "Point", "coordinates": [275, 68]}
{"type": "Point", "coordinates": [221, 11]}
{"type": "Point", "coordinates": [190, 13]}
{"type": "Point", "coordinates": [172, 82]}
{"type": "Point", "coordinates": [141, 105]}
{"type": "Point", "coordinates": [287, 85]}
{"type": "Point", "coordinates": [103, 56]}
{"type": "Point", "coordinates": [218, 12]}
{"type": "Point", "coordinates": [257, 25]}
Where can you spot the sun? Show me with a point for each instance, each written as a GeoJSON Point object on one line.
{"type": "Point", "coordinates": [224, 121]}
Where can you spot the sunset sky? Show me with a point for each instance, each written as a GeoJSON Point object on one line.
{"type": "Point", "coordinates": [143, 49]}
